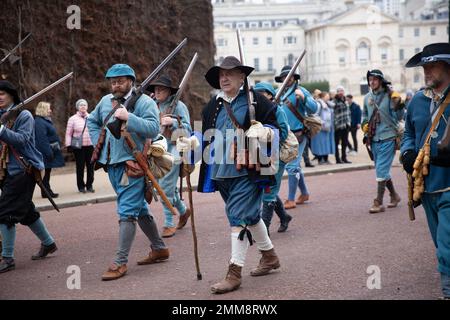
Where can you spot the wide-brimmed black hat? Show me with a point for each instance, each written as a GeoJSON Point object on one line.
{"type": "Point", "coordinates": [431, 53]}
{"type": "Point", "coordinates": [284, 72]}
{"type": "Point", "coordinates": [377, 73]}
{"type": "Point", "coordinates": [9, 88]}
{"type": "Point", "coordinates": [230, 62]}
{"type": "Point", "coordinates": [163, 81]}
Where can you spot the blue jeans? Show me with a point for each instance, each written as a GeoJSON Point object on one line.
{"type": "Point", "coordinates": [383, 155]}
{"type": "Point", "coordinates": [295, 174]}
{"type": "Point", "coordinates": [437, 209]}
{"type": "Point", "coordinates": [130, 194]}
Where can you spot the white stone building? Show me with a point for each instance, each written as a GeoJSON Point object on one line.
{"type": "Point", "coordinates": [341, 44]}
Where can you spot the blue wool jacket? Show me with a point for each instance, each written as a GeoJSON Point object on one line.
{"type": "Point", "coordinates": [21, 138]}
{"type": "Point", "coordinates": [142, 124]}
{"type": "Point", "coordinates": [307, 106]}
{"type": "Point", "coordinates": [45, 135]}
{"type": "Point", "coordinates": [417, 125]}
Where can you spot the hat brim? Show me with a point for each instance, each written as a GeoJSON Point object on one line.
{"type": "Point", "coordinates": [151, 87]}
{"type": "Point", "coordinates": [415, 61]}
{"type": "Point", "coordinates": [212, 76]}
{"type": "Point", "coordinates": [282, 75]}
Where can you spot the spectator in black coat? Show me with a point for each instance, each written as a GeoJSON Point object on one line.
{"type": "Point", "coordinates": [48, 143]}
{"type": "Point", "coordinates": [355, 114]}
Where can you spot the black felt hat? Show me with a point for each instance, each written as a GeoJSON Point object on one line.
{"type": "Point", "coordinates": [431, 53]}
{"type": "Point", "coordinates": [163, 81]}
{"type": "Point", "coordinates": [284, 72]}
{"type": "Point", "coordinates": [9, 88]}
{"type": "Point", "coordinates": [230, 62]}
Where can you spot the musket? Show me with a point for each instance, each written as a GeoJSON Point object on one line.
{"type": "Point", "coordinates": [115, 126]}
{"type": "Point", "coordinates": [142, 162]}
{"type": "Point", "coordinates": [15, 48]}
{"type": "Point", "coordinates": [250, 100]}
{"type": "Point", "coordinates": [288, 77]}
{"type": "Point", "coordinates": [412, 216]}
{"type": "Point", "coordinates": [14, 111]}
{"type": "Point", "coordinates": [182, 87]}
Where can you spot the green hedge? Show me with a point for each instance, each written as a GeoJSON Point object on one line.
{"type": "Point", "coordinates": [321, 85]}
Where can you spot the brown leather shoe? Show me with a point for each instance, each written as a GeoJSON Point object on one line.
{"type": "Point", "coordinates": [269, 261]}
{"type": "Point", "coordinates": [288, 204]}
{"type": "Point", "coordinates": [231, 282]}
{"type": "Point", "coordinates": [114, 272]}
{"type": "Point", "coordinates": [168, 232]}
{"type": "Point", "coordinates": [377, 207]}
{"type": "Point", "coordinates": [184, 219]}
{"type": "Point", "coordinates": [395, 199]}
{"type": "Point", "coordinates": [302, 199]}
{"type": "Point", "coordinates": [155, 256]}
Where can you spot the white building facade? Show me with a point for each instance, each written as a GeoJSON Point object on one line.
{"type": "Point", "coordinates": [341, 45]}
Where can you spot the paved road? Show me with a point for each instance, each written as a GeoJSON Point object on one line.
{"type": "Point", "coordinates": [325, 254]}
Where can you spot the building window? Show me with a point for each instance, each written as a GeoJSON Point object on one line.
{"type": "Point", "coordinates": [278, 23]}
{"type": "Point", "coordinates": [240, 25]}
{"type": "Point", "coordinates": [363, 53]}
{"type": "Point", "coordinates": [400, 32]}
{"type": "Point", "coordinates": [254, 24]}
{"type": "Point", "coordinates": [416, 78]}
{"type": "Point", "coordinates": [384, 54]}
{"type": "Point", "coordinates": [270, 64]}
{"type": "Point", "coordinates": [416, 50]}
{"type": "Point", "coordinates": [433, 31]}
{"type": "Point", "coordinates": [256, 64]}
{"type": "Point", "coordinates": [221, 59]}
{"type": "Point", "coordinates": [416, 32]}
{"type": "Point", "coordinates": [402, 55]}
{"type": "Point", "coordinates": [221, 42]}
{"type": "Point", "coordinates": [266, 24]}
{"type": "Point", "coordinates": [341, 56]}
{"type": "Point", "coordinates": [290, 59]}
{"type": "Point", "coordinates": [255, 41]}
{"type": "Point", "coordinates": [269, 41]}
{"type": "Point", "coordinates": [228, 25]}
{"type": "Point", "coordinates": [290, 40]}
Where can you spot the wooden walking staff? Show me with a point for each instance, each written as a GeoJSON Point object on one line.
{"type": "Point", "coordinates": [423, 158]}
{"type": "Point", "coordinates": [194, 232]}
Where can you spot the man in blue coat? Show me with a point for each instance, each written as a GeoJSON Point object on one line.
{"type": "Point", "coordinates": [295, 97]}
{"type": "Point", "coordinates": [422, 110]}
{"type": "Point", "coordinates": [178, 120]}
{"type": "Point", "coordinates": [241, 187]}
{"type": "Point", "coordinates": [142, 123]}
{"type": "Point", "coordinates": [18, 151]}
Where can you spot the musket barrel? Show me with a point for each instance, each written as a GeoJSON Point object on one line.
{"type": "Point", "coordinates": [291, 72]}
{"type": "Point", "coordinates": [47, 89]}
{"type": "Point", "coordinates": [155, 72]}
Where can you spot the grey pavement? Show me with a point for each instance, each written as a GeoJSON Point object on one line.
{"type": "Point", "coordinates": [63, 181]}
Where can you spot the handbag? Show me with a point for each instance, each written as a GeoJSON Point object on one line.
{"type": "Point", "coordinates": [289, 148]}
{"type": "Point", "coordinates": [312, 124]}
{"type": "Point", "coordinates": [77, 142]}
